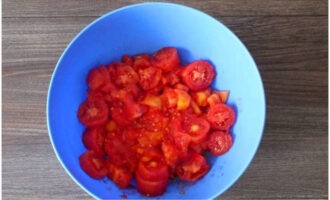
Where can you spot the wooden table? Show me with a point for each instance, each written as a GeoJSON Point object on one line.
{"type": "Point", "coordinates": [287, 38]}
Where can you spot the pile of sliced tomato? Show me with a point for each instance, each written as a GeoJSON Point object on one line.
{"type": "Point", "coordinates": [150, 118]}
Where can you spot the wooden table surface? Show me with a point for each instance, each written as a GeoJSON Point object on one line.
{"type": "Point", "coordinates": [287, 38]}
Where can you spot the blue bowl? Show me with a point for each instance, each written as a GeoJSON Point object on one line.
{"type": "Point", "coordinates": [148, 27]}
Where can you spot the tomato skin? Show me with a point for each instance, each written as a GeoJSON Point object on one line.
{"type": "Point", "coordinates": [220, 142]}
{"type": "Point", "coordinates": [93, 164]}
{"type": "Point", "coordinates": [149, 77]}
{"type": "Point", "coordinates": [193, 167]}
{"type": "Point", "coordinates": [93, 139]}
{"type": "Point", "coordinates": [198, 128]}
{"type": "Point", "coordinates": [166, 58]}
{"type": "Point", "coordinates": [93, 113]}
{"type": "Point", "coordinates": [198, 75]}
{"type": "Point", "coordinates": [221, 116]}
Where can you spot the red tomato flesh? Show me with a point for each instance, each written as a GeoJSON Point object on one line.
{"type": "Point", "coordinates": [151, 118]}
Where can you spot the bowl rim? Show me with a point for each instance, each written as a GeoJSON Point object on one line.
{"type": "Point", "coordinates": [230, 183]}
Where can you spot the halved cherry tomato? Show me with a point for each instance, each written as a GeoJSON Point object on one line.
{"type": "Point", "coordinates": [166, 58]}
{"type": "Point", "coordinates": [93, 164]}
{"type": "Point", "coordinates": [120, 176]}
{"type": "Point", "coordinates": [198, 75]}
{"type": "Point", "coordinates": [221, 116]}
{"type": "Point", "coordinates": [220, 142]}
{"type": "Point", "coordinates": [193, 167]}
{"type": "Point", "coordinates": [149, 77]}
{"type": "Point", "coordinates": [93, 139]}
{"type": "Point", "coordinates": [93, 113]}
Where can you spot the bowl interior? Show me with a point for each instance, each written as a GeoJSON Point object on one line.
{"type": "Point", "coordinates": [146, 28]}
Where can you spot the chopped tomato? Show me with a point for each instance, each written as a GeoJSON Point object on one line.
{"type": "Point", "coordinates": [125, 75]}
{"type": "Point", "coordinates": [193, 167]}
{"type": "Point", "coordinates": [151, 118]}
{"type": "Point", "coordinates": [120, 176]}
{"type": "Point", "coordinates": [169, 97]}
{"type": "Point", "coordinates": [93, 113]}
{"type": "Point", "coordinates": [93, 139]}
{"type": "Point", "coordinates": [152, 166]}
{"type": "Point", "coordinates": [126, 59]}
{"type": "Point", "coordinates": [93, 164]}
{"type": "Point", "coordinates": [183, 99]}
{"type": "Point", "coordinates": [221, 116]}
{"type": "Point", "coordinates": [166, 58]}
{"type": "Point", "coordinates": [150, 188]}
{"type": "Point", "coordinates": [197, 127]}
{"type": "Point", "coordinates": [220, 142]}
{"type": "Point", "coordinates": [152, 173]}
{"type": "Point", "coordinates": [171, 154]}
{"type": "Point", "coordinates": [201, 97]}
{"type": "Point", "coordinates": [149, 77]}
{"type": "Point", "coordinates": [214, 99]}
{"type": "Point", "coordinates": [198, 75]}
{"type": "Point", "coordinates": [141, 61]}
{"type": "Point", "coordinates": [96, 78]}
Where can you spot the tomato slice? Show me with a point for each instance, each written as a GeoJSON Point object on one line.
{"type": "Point", "coordinates": [93, 164]}
{"type": "Point", "coordinates": [166, 58]}
{"type": "Point", "coordinates": [193, 167]}
{"type": "Point", "coordinates": [221, 116]}
{"type": "Point", "coordinates": [93, 139]}
{"type": "Point", "coordinates": [150, 188]}
{"type": "Point", "coordinates": [120, 176]}
{"type": "Point", "coordinates": [198, 75]}
{"type": "Point", "coordinates": [149, 77]}
{"type": "Point", "coordinates": [93, 113]}
{"type": "Point", "coordinates": [220, 142]}
{"type": "Point", "coordinates": [125, 75]}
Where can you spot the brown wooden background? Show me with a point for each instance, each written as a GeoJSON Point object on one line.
{"type": "Point", "coordinates": [288, 39]}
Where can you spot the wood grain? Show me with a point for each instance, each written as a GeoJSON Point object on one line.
{"type": "Point", "coordinates": [51, 8]}
{"type": "Point", "coordinates": [288, 39]}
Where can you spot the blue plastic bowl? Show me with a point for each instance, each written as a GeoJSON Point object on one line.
{"type": "Point", "coordinates": [148, 27]}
